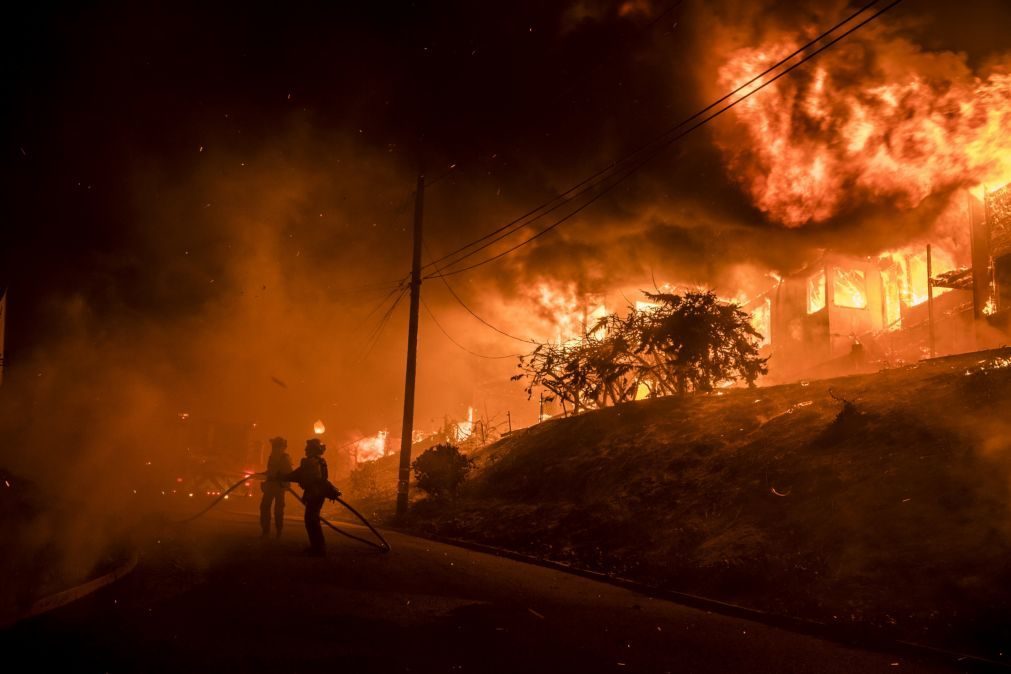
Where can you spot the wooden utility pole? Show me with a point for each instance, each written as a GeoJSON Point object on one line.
{"type": "Point", "coordinates": [930, 302]}
{"type": "Point", "coordinates": [407, 432]}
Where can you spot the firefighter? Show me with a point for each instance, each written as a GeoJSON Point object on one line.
{"type": "Point", "coordinates": [313, 477]}
{"type": "Point", "coordinates": [273, 487]}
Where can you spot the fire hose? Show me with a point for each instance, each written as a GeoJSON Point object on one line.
{"type": "Point", "coordinates": [382, 546]}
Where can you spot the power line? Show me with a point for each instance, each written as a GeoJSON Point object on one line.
{"type": "Point", "coordinates": [472, 312]}
{"type": "Point", "coordinates": [530, 213]}
{"type": "Point", "coordinates": [400, 286]}
{"type": "Point", "coordinates": [458, 344]}
{"type": "Point", "coordinates": [663, 143]}
{"type": "Point", "coordinates": [660, 138]}
{"type": "Point", "coordinates": [377, 332]}
{"type": "Point", "coordinates": [615, 164]}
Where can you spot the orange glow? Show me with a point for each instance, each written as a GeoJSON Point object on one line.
{"type": "Point", "coordinates": [849, 288]}
{"type": "Point", "coordinates": [816, 292]}
{"type": "Point", "coordinates": [905, 277]}
{"type": "Point", "coordinates": [569, 312]}
{"type": "Point", "coordinates": [819, 142]}
{"type": "Point", "coordinates": [371, 448]}
{"type": "Point", "coordinates": [464, 429]}
{"type": "Point", "coordinates": [761, 320]}
{"type": "Point", "coordinates": [319, 428]}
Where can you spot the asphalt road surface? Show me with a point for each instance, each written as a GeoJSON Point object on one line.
{"type": "Point", "coordinates": [212, 597]}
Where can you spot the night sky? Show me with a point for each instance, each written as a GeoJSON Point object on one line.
{"type": "Point", "coordinates": [182, 178]}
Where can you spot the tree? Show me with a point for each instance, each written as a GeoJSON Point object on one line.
{"type": "Point", "coordinates": [557, 368]}
{"type": "Point", "coordinates": [682, 344]}
{"type": "Point", "coordinates": [692, 342]}
{"type": "Point", "coordinates": [441, 470]}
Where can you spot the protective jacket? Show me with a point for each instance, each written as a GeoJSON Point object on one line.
{"type": "Point", "coordinates": [312, 476]}
{"type": "Point", "coordinates": [278, 465]}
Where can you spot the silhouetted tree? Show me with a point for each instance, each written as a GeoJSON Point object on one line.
{"type": "Point", "coordinates": [441, 470]}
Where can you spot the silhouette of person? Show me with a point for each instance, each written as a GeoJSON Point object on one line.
{"type": "Point", "coordinates": [273, 487]}
{"type": "Point", "coordinates": [313, 477]}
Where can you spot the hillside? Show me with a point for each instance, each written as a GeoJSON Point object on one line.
{"type": "Point", "coordinates": [892, 511]}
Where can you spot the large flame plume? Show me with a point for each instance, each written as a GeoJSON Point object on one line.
{"type": "Point", "coordinates": [874, 122]}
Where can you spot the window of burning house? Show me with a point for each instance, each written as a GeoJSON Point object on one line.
{"type": "Point", "coordinates": [816, 293]}
{"type": "Point", "coordinates": [849, 288]}
{"type": "Point", "coordinates": [761, 320]}
{"type": "Point", "coordinates": [891, 294]}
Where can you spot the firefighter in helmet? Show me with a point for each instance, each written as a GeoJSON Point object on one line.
{"type": "Point", "coordinates": [273, 487]}
{"type": "Point", "coordinates": [313, 477]}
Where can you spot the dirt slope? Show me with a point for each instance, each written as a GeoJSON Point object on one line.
{"type": "Point", "coordinates": [892, 511]}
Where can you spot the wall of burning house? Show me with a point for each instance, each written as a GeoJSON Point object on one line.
{"type": "Point", "coordinates": [992, 233]}
{"type": "Point", "coordinates": [843, 314]}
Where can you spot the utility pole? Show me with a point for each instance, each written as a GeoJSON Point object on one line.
{"type": "Point", "coordinates": [930, 302]}
{"type": "Point", "coordinates": [509, 419]}
{"type": "Point", "coordinates": [407, 432]}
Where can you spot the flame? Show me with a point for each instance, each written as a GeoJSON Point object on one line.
{"type": "Point", "coordinates": [849, 288]}
{"type": "Point", "coordinates": [914, 124]}
{"type": "Point", "coordinates": [905, 278]}
{"type": "Point", "coordinates": [464, 429]}
{"type": "Point", "coordinates": [568, 312]}
{"type": "Point", "coordinates": [816, 292]}
{"type": "Point", "coordinates": [761, 320]}
{"type": "Point", "coordinates": [372, 447]}
{"type": "Point", "coordinates": [318, 427]}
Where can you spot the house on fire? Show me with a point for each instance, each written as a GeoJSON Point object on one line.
{"type": "Point", "coordinates": [845, 314]}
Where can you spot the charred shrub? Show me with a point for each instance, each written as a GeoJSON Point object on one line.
{"type": "Point", "coordinates": [441, 470]}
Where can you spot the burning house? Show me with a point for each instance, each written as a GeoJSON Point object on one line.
{"type": "Point", "coordinates": [845, 314]}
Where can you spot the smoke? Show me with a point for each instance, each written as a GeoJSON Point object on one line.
{"type": "Point", "coordinates": [870, 146]}
{"type": "Point", "coordinates": [236, 272]}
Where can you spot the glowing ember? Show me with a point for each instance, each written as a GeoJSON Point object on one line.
{"type": "Point", "coordinates": [318, 428]}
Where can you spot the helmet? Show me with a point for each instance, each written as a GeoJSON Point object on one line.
{"type": "Point", "coordinates": [278, 443]}
{"type": "Point", "coordinates": [314, 447]}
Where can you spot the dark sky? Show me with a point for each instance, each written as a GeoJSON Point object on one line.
{"type": "Point", "coordinates": [154, 151]}
{"type": "Point", "coordinates": [105, 96]}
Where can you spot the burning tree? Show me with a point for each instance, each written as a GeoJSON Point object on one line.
{"type": "Point", "coordinates": [681, 344]}
{"type": "Point", "coordinates": [587, 374]}
{"type": "Point", "coordinates": [692, 342]}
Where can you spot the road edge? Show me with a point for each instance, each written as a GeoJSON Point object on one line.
{"type": "Point", "coordinates": [59, 599]}
{"type": "Point", "coordinates": [861, 638]}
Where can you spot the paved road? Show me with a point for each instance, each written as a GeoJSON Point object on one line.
{"type": "Point", "coordinates": [211, 597]}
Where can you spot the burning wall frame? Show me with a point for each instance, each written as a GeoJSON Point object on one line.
{"type": "Point", "coordinates": [845, 314]}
